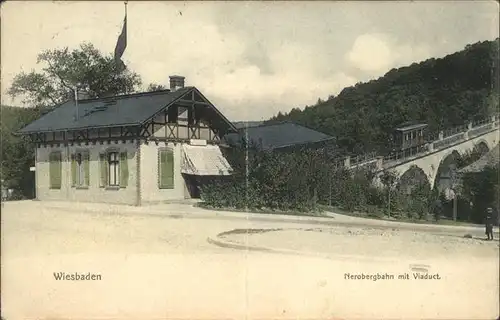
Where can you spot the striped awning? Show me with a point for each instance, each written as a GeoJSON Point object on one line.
{"type": "Point", "coordinates": [205, 160]}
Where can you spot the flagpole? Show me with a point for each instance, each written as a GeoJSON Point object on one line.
{"type": "Point", "coordinates": [121, 43]}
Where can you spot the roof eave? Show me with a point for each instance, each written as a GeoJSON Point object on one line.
{"type": "Point", "coordinates": [231, 125]}
{"type": "Point", "coordinates": [304, 143]}
{"type": "Point", "coordinates": [78, 128]}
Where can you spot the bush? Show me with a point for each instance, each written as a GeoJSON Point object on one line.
{"type": "Point", "coordinates": [300, 180]}
{"type": "Point", "coordinates": [481, 189]}
{"type": "Point", "coordinates": [277, 181]}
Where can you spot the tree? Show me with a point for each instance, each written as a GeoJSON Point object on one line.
{"type": "Point", "coordinates": [480, 189]}
{"type": "Point", "coordinates": [389, 179]}
{"type": "Point", "coordinates": [16, 152]}
{"type": "Point", "coordinates": [443, 93]}
{"type": "Point", "coordinates": [62, 70]}
{"type": "Point", "coordinates": [95, 73]}
{"type": "Point", "coordinates": [155, 87]}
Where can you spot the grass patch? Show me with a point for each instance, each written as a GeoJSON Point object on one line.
{"type": "Point", "coordinates": [247, 231]}
{"type": "Point", "coordinates": [375, 213]}
{"type": "Point", "coordinates": [318, 213]}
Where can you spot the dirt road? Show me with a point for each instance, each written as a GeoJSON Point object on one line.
{"type": "Point", "coordinates": [161, 266]}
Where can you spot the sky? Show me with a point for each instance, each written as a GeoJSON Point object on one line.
{"type": "Point", "coordinates": [250, 59]}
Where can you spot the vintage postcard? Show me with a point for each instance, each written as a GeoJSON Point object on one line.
{"type": "Point", "coordinates": [249, 160]}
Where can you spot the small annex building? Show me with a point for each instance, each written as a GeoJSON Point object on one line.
{"type": "Point", "coordinates": [277, 136]}
{"type": "Point", "coordinates": [129, 149]}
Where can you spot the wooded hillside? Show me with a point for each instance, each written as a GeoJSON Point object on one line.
{"type": "Point", "coordinates": [442, 92]}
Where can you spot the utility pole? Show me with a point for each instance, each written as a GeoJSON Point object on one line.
{"type": "Point", "coordinates": [76, 102]}
{"type": "Point", "coordinates": [330, 187]}
{"type": "Point", "coordinates": [389, 202]}
{"type": "Point", "coordinates": [454, 206]}
{"type": "Point", "coordinates": [454, 193]}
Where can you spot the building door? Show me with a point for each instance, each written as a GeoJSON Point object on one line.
{"type": "Point", "coordinates": [192, 185]}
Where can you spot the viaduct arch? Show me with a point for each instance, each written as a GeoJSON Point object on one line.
{"type": "Point", "coordinates": [439, 164]}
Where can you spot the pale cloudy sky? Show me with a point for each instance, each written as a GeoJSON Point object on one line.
{"type": "Point", "coordinates": [251, 59]}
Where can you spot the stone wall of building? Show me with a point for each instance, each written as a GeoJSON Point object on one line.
{"type": "Point", "coordinates": [150, 190]}
{"type": "Point", "coordinates": [94, 192]}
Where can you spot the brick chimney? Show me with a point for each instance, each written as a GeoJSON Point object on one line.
{"type": "Point", "coordinates": [176, 82]}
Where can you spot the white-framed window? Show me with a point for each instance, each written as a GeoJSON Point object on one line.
{"type": "Point", "coordinates": [113, 169]}
{"type": "Point", "coordinates": [80, 172]}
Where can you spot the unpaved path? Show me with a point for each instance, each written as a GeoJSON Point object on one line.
{"type": "Point", "coordinates": [158, 264]}
{"type": "Point", "coordinates": [367, 241]}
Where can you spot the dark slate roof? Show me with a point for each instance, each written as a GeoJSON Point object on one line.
{"type": "Point", "coordinates": [132, 109]}
{"type": "Point", "coordinates": [245, 124]}
{"type": "Point", "coordinates": [277, 135]}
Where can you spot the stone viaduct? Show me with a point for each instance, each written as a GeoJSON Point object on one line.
{"type": "Point", "coordinates": [437, 162]}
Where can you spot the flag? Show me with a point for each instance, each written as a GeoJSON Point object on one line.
{"type": "Point", "coordinates": [121, 44]}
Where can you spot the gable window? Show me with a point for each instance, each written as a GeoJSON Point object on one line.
{"type": "Point", "coordinates": [166, 169]}
{"type": "Point", "coordinates": [172, 114]}
{"type": "Point", "coordinates": [80, 172]}
{"type": "Point", "coordinates": [55, 170]}
{"type": "Point", "coordinates": [113, 167]}
{"type": "Point", "coordinates": [191, 116]}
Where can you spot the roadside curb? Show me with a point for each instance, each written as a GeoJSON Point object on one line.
{"type": "Point", "coordinates": [202, 213]}
{"type": "Point", "coordinates": [218, 241]}
{"type": "Point", "coordinates": [329, 222]}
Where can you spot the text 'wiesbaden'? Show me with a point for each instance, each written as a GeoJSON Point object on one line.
{"type": "Point", "coordinates": [75, 276]}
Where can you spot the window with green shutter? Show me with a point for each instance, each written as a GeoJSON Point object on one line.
{"type": "Point", "coordinates": [80, 169]}
{"type": "Point", "coordinates": [73, 170]}
{"type": "Point", "coordinates": [55, 170]}
{"type": "Point", "coordinates": [113, 167]}
{"type": "Point", "coordinates": [86, 169]}
{"type": "Point", "coordinates": [123, 169]}
{"type": "Point", "coordinates": [166, 169]}
{"type": "Point", "coordinates": [103, 170]}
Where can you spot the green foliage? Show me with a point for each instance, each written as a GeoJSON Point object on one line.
{"type": "Point", "coordinates": [17, 153]}
{"type": "Point", "coordinates": [416, 205]}
{"type": "Point", "coordinates": [481, 188]}
{"type": "Point", "coordinates": [442, 92]}
{"type": "Point", "coordinates": [304, 179]}
{"type": "Point", "coordinates": [155, 87]}
{"type": "Point", "coordinates": [272, 182]}
{"type": "Point", "coordinates": [468, 158]}
{"type": "Point", "coordinates": [388, 178]}
{"type": "Point", "coordinates": [293, 181]}
{"type": "Point", "coordinates": [95, 74]}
